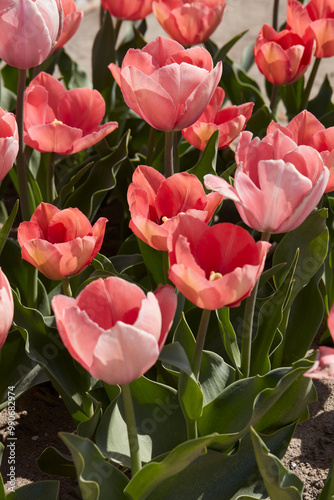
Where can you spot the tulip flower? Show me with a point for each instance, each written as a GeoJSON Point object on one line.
{"type": "Point", "coordinates": [132, 10]}
{"type": "Point", "coordinates": [323, 367]}
{"type": "Point", "coordinates": [166, 85]}
{"type": "Point", "coordinates": [277, 184]}
{"type": "Point", "coordinates": [282, 57]}
{"type": "Point", "coordinates": [189, 22]}
{"type": "Point", "coordinates": [63, 121]}
{"type": "Point", "coordinates": [113, 329]}
{"type": "Point", "coordinates": [9, 142]}
{"type": "Point", "coordinates": [60, 243]}
{"type": "Point", "coordinates": [6, 307]}
{"type": "Point", "coordinates": [213, 266]}
{"type": "Point", "coordinates": [154, 202]}
{"type": "Point", "coordinates": [29, 31]}
{"type": "Point", "coordinates": [314, 21]}
{"type": "Point", "coordinates": [72, 20]}
{"type": "Point", "coordinates": [306, 129]}
{"type": "Point", "coordinates": [230, 121]}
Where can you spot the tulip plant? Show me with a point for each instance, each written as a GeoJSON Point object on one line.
{"type": "Point", "coordinates": [185, 356]}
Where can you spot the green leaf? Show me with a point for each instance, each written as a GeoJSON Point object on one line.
{"type": "Point", "coordinates": [239, 87]}
{"type": "Point", "coordinates": [223, 51]}
{"type": "Point", "coordinates": [36, 491]}
{"type": "Point", "coordinates": [322, 103]}
{"type": "Point", "coordinates": [174, 354]}
{"type": "Point", "coordinates": [103, 54]}
{"type": "Point", "coordinates": [53, 462]}
{"type": "Point", "coordinates": [74, 76]}
{"type": "Point", "coordinates": [229, 336]}
{"type": "Point", "coordinates": [208, 160]}
{"type": "Point", "coordinates": [328, 490]}
{"type": "Point", "coordinates": [7, 226]}
{"type": "Point", "coordinates": [154, 261]}
{"type": "Point", "coordinates": [259, 121]}
{"type": "Point", "coordinates": [190, 396]}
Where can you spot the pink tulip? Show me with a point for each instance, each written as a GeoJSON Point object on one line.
{"type": "Point", "coordinates": [314, 21]}
{"type": "Point", "coordinates": [282, 57]}
{"type": "Point", "coordinates": [306, 129]}
{"type": "Point", "coordinates": [9, 142]}
{"type": "Point", "coordinates": [154, 202]}
{"type": "Point", "coordinates": [323, 367]}
{"type": "Point", "coordinates": [72, 20]}
{"type": "Point", "coordinates": [277, 184]}
{"type": "Point", "coordinates": [113, 329]}
{"type": "Point", "coordinates": [166, 85]}
{"type": "Point", "coordinates": [63, 121]}
{"type": "Point", "coordinates": [29, 31]}
{"type": "Point", "coordinates": [230, 121]}
{"type": "Point", "coordinates": [214, 266]}
{"type": "Point", "coordinates": [60, 243]}
{"type": "Point", "coordinates": [189, 22]}
{"type": "Point", "coordinates": [132, 10]}
{"type": "Point", "coordinates": [6, 308]}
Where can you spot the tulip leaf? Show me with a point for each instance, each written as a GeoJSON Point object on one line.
{"type": "Point", "coordinates": [34, 491]}
{"type": "Point", "coordinates": [208, 160]}
{"type": "Point", "coordinates": [190, 397]}
{"type": "Point", "coordinates": [174, 354]}
{"type": "Point", "coordinates": [103, 54]}
{"type": "Point", "coordinates": [279, 482]}
{"type": "Point", "coordinates": [327, 492]}
{"type": "Point", "coordinates": [292, 95]}
{"type": "Point", "coordinates": [74, 76]}
{"type": "Point", "coordinates": [229, 336]}
{"type": "Point", "coordinates": [322, 103]}
{"type": "Point", "coordinates": [259, 121]}
{"type": "Point", "coordinates": [239, 87]}
{"type": "Point", "coordinates": [223, 51]}
{"type": "Point", "coordinates": [154, 261]}
{"type": "Point", "coordinates": [7, 99]}
{"type": "Point", "coordinates": [53, 462]}
{"type": "Point", "coordinates": [7, 226]}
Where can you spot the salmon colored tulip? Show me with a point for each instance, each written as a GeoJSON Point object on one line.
{"type": "Point", "coordinates": [306, 129]}
{"type": "Point", "coordinates": [230, 121]}
{"type": "Point", "coordinates": [323, 367]}
{"type": "Point", "coordinates": [214, 266]}
{"type": "Point", "coordinates": [154, 202]}
{"type": "Point", "coordinates": [72, 21]}
{"type": "Point", "coordinates": [6, 307]}
{"type": "Point", "coordinates": [132, 10]}
{"type": "Point", "coordinates": [277, 184]}
{"type": "Point", "coordinates": [29, 31]}
{"type": "Point", "coordinates": [113, 329]}
{"type": "Point", "coordinates": [9, 142]}
{"type": "Point", "coordinates": [282, 57]}
{"type": "Point", "coordinates": [166, 85]}
{"type": "Point", "coordinates": [315, 21]}
{"type": "Point", "coordinates": [189, 22]}
{"type": "Point", "coordinates": [63, 121]}
{"type": "Point", "coordinates": [60, 243]}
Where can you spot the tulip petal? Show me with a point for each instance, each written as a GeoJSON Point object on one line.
{"type": "Point", "coordinates": [52, 137]}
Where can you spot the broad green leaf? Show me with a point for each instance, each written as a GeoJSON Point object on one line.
{"type": "Point", "coordinates": [190, 397]}
{"type": "Point", "coordinates": [103, 54]}
{"type": "Point", "coordinates": [322, 102]}
{"type": "Point", "coordinates": [223, 51]}
{"type": "Point", "coordinates": [53, 462]}
{"type": "Point", "coordinates": [36, 491]}
{"type": "Point", "coordinates": [7, 226]}
{"type": "Point", "coordinates": [259, 121]}
{"type": "Point", "coordinates": [208, 160]}
{"type": "Point", "coordinates": [229, 336]}
{"type": "Point", "coordinates": [174, 354]}
{"type": "Point", "coordinates": [239, 87]}
{"type": "Point", "coordinates": [74, 76]}
{"type": "Point", "coordinates": [154, 261]}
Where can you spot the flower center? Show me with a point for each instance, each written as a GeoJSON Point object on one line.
{"type": "Point", "coordinates": [57, 122]}
{"type": "Point", "coordinates": [215, 276]}
{"type": "Point", "coordinates": [164, 218]}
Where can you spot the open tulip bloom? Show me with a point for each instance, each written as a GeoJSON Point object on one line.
{"type": "Point", "coordinates": [72, 21]}
{"type": "Point", "coordinates": [132, 10]}
{"type": "Point", "coordinates": [9, 142]}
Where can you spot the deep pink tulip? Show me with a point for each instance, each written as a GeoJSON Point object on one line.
{"type": "Point", "coordinates": [214, 266]}
{"type": "Point", "coordinates": [282, 57]}
{"type": "Point", "coordinates": [63, 121]}
{"type": "Point", "coordinates": [314, 21]}
{"type": "Point", "coordinates": [230, 121]}
{"type": "Point", "coordinates": [60, 243]}
{"type": "Point", "coordinates": [277, 184]}
{"type": "Point", "coordinates": [29, 31]}
{"type": "Point", "coordinates": [323, 367]}
{"type": "Point", "coordinates": [166, 85]}
{"type": "Point", "coordinates": [6, 307]}
{"type": "Point", "coordinates": [132, 10]}
{"type": "Point", "coordinates": [72, 21]}
{"type": "Point", "coordinates": [154, 201]}
{"type": "Point", "coordinates": [9, 142]}
{"type": "Point", "coordinates": [306, 129]}
{"type": "Point", "coordinates": [113, 329]}
{"type": "Point", "coordinates": [189, 22]}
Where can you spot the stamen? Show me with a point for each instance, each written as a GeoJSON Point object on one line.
{"type": "Point", "coordinates": [214, 276]}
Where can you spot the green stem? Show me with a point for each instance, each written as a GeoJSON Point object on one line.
{"type": "Point", "coordinates": [33, 286]}
{"type": "Point", "coordinates": [169, 165]}
{"type": "Point", "coordinates": [67, 287]}
{"type": "Point", "coordinates": [20, 160]}
{"type": "Point", "coordinates": [50, 186]}
{"type": "Point", "coordinates": [200, 340]}
{"type": "Point", "coordinates": [150, 146]}
{"type": "Point", "coordinates": [165, 260]}
{"type": "Point", "coordinates": [274, 99]}
{"type": "Point", "coordinates": [310, 83]}
{"type": "Point", "coordinates": [131, 428]}
{"type": "Point", "coordinates": [275, 14]}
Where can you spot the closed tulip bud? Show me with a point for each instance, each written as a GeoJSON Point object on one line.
{"type": "Point", "coordinates": [9, 142]}
{"type": "Point", "coordinates": [6, 308]}
{"type": "Point", "coordinates": [72, 21]}
{"type": "Point", "coordinates": [132, 10]}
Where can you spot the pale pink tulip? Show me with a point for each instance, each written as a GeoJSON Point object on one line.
{"type": "Point", "coordinates": [277, 184]}
{"type": "Point", "coordinates": [113, 329]}
{"type": "Point", "coordinates": [132, 10]}
{"type": "Point", "coordinates": [9, 142]}
{"type": "Point", "coordinates": [72, 21]}
{"type": "Point", "coordinates": [6, 307]}
{"type": "Point", "coordinates": [166, 85]}
{"type": "Point", "coordinates": [323, 367]}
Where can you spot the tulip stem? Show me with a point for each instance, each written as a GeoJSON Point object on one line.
{"type": "Point", "coordinates": [200, 340]}
{"type": "Point", "coordinates": [66, 287]}
{"type": "Point", "coordinates": [310, 83]}
{"type": "Point", "coordinates": [50, 186]}
{"type": "Point", "coordinates": [169, 164]}
{"type": "Point", "coordinates": [20, 160]}
{"type": "Point", "coordinates": [131, 428]}
{"type": "Point", "coordinates": [150, 146]}
{"type": "Point", "coordinates": [274, 99]}
{"type": "Point", "coordinates": [275, 14]}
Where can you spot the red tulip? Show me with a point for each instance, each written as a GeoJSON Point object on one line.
{"type": "Point", "coordinates": [277, 184]}
{"type": "Point", "coordinates": [314, 21]}
{"type": "Point", "coordinates": [168, 86]}
{"type": "Point", "coordinates": [154, 202]}
{"type": "Point", "coordinates": [9, 142]}
{"type": "Point", "coordinates": [282, 57]}
{"type": "Point", "coordinates": [60, 243]}
{"type": "Point", "coordinates": [29, 31]}
{"type": "Point", "coordinates": [323, 367]}
{"type": "Point", "coordinates": [132, 10]}
{"type": "Point", "coordinates": [6, 308]}
{"type": "Point", "coordinates": [306, 129]}
{"type": "Point", "coordinates": [214, 266]}
{"type": "Point", "coordinates": [72, 20]}
{"type": "Point", "coordinates": [113, 329]}
{"type": "Point", "coordinates": [189, 22]}
{"type": "Point", "coordinates": [230, 121]}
